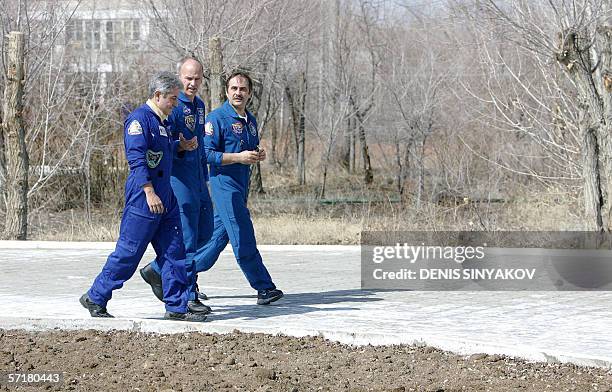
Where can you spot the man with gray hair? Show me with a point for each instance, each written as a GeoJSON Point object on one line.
{"type": "Point", "coordinates": [151, 213]}
{"type": "Point", "coordinates": [189, 178]}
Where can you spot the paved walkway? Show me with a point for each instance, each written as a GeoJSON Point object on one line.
{"type": "Point", "coordinates": [40, 285]}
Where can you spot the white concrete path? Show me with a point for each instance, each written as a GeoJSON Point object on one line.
{"type": "Point", "coordinates": [40, 283]}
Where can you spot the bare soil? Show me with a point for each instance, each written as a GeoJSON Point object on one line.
{"type": "Point", "coordinates": [130, 361]}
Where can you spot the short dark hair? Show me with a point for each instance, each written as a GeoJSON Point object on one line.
{"type": "Point", "coordinates": [239, 73]}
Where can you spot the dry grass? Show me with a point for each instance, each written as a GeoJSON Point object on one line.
{"type": "Point", "coordinates": [309, 222]}
{"type": "Point", "coordinates": [339, 224]}
{"type": "Point", "coordinates": [73, 225]}
{"type": "Point", "coordinates": [295, 229]}
{"type": "Point", "coordinates": [288, 214]}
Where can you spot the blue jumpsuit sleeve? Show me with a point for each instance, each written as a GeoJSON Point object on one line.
{"type": "Point", "coordinates": [136, 132]}
{"type": "Point", "coordinates": [213, 142]}
{"type": "Point", "coordinates": [172, 119]}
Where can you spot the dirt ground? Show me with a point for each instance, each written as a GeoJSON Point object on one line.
{"type": "Point", "coordinates": [129, 361]}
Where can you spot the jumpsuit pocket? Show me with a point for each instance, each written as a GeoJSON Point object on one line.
{"type": "Point", "coordinates": [138, 228]}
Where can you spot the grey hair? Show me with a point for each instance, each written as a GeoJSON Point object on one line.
{"type": "Point", "coordinates": [164, 82]}
{"type": "Point", "coordinates": [182, 61]}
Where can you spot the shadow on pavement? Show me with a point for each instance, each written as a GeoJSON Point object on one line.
{"type": "Point", "coordinates": [294, 303]}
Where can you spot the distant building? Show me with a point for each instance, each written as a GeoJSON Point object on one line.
{"type": "Point", "coordinates": [102, 39]}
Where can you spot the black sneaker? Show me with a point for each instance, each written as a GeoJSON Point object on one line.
{"type": "Point", "coordinates": [95, 310]}
{"type": "Point", "coordinates": [200, 294]}
{"type": "Point", "coordinates": [196, 306]}
{"type": "Point", "coordinates": [189, 316]}
{"type": "Point", "coordinates": [264, 297]}
{"type": "Point", "coordinates": [154, 280]}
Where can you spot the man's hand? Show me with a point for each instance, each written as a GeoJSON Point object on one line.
{"type": "Point", "coordinates": [155, 204]}
{"type": "Point", "coordinates": [261, 154]}
{"type": "Point", "coordinates": [187, 145]}
{"type": "Point", "coordinates": [248, 157]}
{"type": "Point", "coordinates": [244, 157]}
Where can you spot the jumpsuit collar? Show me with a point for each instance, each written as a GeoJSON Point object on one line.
{"type": "Point", "coordinates": [156, 110]}
{"type": "Point", "coordinates": [229, 109]}
{"type": "Point", "coordinates": [183, 97]}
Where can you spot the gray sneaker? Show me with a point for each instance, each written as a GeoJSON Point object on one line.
{"type": "Point", "coordinates": [265, 297]}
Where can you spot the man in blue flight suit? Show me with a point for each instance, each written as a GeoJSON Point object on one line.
{"type": "Point", "coordinates": [232, 145]}
{"type": "Point", "coordinates": [188, 179]}
{"type": "Point", "coordinates": [151, 213]}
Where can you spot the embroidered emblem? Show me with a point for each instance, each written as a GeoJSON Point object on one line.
{"type": "Point", "coordinates": [134, 128]}
{"type": "Point", "coordinates": [208, 129]}
{"type": "Point", "coordinates": [154, 158]}
{"type": "Point", "coordinates": [186, 110]}
{"type": "Point", "coordinates": [200, 116]}
{"type": "Point", "coordinates": [253, 129]}
{"type": "Point", "coordinates": [237, 128]}
{"type": "Point", "coordinates": [162, 131]}
{"type": "Point", "coordinates": [190, 122]}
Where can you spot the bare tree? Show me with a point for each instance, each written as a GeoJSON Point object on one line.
{"type": "Point", "coordinates": [16, 225]}
{"type": "Point", "coordinates": [575, 34]}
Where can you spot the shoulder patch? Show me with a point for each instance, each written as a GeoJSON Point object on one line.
{"type": "Point", "coordinates": [135, 128]}
{"type": "Point", "coordinates": [208, 129]}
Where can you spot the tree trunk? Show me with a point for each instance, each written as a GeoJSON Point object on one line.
{"type": "Point", "coordinates": [352, 155]}
{"type": "Point", "coordinates": [406, 166]}
{"type": "Point", "coordinates": [298, 119]}
{"type": "Point", "coordinates": [603, 77]}
{"type": "Point", "coordinates": [580, 63]}
{"type": "Point", "coordinates": [16, 223]}
{"type": "Point", "coordinates": [205, 93]}
{"type": "Point", "coordinates": [400, 169]}
{"type": "Point", "coordinates": [368, 176]}
{"type": "Point", "coordinates": [217, 86]}
{"type": "Point", "coordinates": [421, 168]}
{"type": "Point", "coordinates": [294, 118]}
{"type": "Point", "coordinates": [301, 137]}
{"type": "Point", "coordinates": [2, 163]}
{"type": "Point", "coordinates": [323, 184]}
{"type": "Point", "coordinates": [345, 159]}
{"type": "Point", "coordinates": [256, 185]}
{"type": "Point", "coordinates": [593, 198]}
{"type": "Point", "coordinates": [273, 141]}
{"type": "Point", "coordinates": [255, 178]}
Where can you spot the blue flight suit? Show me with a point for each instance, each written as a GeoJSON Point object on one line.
{"type": "Point", "coordinates": [226, 131]}
{"type": "Point", "coordinates": [149, 149]}
{"type": "Point", "coordinates": [188, 180]}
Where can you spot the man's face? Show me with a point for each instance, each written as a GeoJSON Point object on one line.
{"type": "Point", "coordinates": [191, 77]}
{"type": "Point", "coordinates": [166, 102]}
{"type": "Point", "coordinates": [238, 92]}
